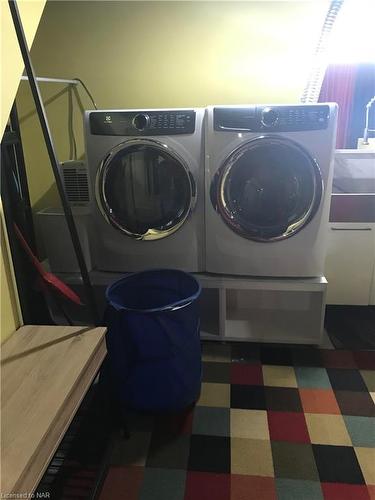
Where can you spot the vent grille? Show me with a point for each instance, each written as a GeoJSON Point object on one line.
{"type": "Point", "coordinates": [76, 184]}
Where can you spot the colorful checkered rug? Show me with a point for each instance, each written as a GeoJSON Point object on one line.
{"type": "Point", "coordinates": [271, 423]}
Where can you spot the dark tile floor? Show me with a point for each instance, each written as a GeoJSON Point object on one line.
{"type": "Point", "coordinates": [351, 327]}
{"type": "Point", "coordinates": [271, 423]}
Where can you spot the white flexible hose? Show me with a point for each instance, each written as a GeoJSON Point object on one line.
{"type": "Point", "coordinates": [314, 83]}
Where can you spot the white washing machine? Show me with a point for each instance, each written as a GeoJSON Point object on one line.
{"type": "Point", "coordinates": [268, 186]}
{"type": "Point", "coordinates": [147, 188]}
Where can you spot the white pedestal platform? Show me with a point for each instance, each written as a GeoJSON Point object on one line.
{"type": "Point", "coordinates": [235, 308]}
{"type": "Point", "coordinates": [263, 310]}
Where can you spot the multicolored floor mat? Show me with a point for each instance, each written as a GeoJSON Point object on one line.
{"type": "Point", "coordinates": [271, 423]}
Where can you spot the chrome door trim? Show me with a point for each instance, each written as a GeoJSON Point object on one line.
{"type": "Point", "coordinates": [222, 173]}
{"type": "Point", "coordinates": [103, 205]}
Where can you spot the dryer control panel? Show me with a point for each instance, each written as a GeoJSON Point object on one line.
{"type": "Point", "coordinates": [142, 123]}
{"type": "Point", "coordinates": [271, 118]}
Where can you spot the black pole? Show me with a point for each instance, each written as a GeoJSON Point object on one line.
{"type": "Point", "coordinates": [53, 159]}
{"type": "Point", "coordinates": [21, 172]}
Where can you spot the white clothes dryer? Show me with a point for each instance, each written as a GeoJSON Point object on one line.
{"type": "Point", "coordinates": [146, 176]}
{"type": "Point", "coordinates": [268, 176]}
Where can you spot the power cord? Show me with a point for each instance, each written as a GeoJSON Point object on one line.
{"type": "Point", "coordinates": [87, 91]}
{"type": "Point", "coordinates": [72, 139]}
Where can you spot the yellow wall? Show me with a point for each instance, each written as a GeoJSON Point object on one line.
{"type": "Point", "coordinates": [11, 68]}
{"type": "Point", "coordinates": [163, 54]}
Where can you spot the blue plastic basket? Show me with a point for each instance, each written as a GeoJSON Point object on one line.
{"type": "Point", "coordinates": [153, 339]}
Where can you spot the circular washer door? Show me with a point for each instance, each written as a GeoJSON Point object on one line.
{"type": "Point", "coordinates": [145, 189]}
{"type": "Point", "coordinates": [268, 189]}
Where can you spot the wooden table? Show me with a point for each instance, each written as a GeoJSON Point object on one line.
{"type": "Point", "coordinates": [45, 373]}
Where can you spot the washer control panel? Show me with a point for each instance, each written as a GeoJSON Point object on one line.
{"type": "Point", "coordinates": [142, 123]}
{"type": "Point", "coordinates": [271, 118]}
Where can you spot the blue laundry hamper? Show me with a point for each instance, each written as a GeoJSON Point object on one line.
{"type": "Point", "coordinates": [153, 340]}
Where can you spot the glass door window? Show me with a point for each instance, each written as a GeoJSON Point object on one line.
{"type": "Point", "coordinates": [145, 190]}
{"type": "Point", "coordinates": [267, 189]}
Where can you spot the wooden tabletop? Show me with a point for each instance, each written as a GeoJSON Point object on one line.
{"type": "Point", "coordinates": [45, 373]}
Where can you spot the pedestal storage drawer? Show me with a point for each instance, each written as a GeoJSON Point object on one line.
{"type": "Point", "coordinates": [274, 316]}
{"type": "Point", "coordinates": [263, 310]}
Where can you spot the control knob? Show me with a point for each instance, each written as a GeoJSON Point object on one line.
{"type": "Point", "coordinates": [269, 117]}
{"type": "Point", "coordinates": [141, 121]}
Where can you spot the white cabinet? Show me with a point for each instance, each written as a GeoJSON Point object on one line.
{"type": "Point", "coordinates": [350, 263]}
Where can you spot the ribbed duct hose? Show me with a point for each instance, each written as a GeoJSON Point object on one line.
{"type": "Point", "coordinates": [314, 83]}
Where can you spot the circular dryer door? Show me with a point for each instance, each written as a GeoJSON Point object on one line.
{"type": "Point", "coordinates": [145, 189]}
{"type": "Point", "coordinates": [268, 189]}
